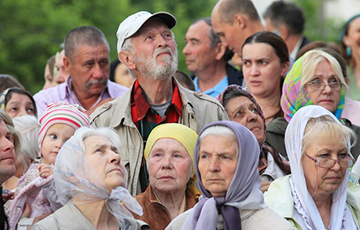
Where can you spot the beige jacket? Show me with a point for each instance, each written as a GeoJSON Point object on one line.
{"type": "Point", "coordinates": [250, 220]}
{"type": "Point", "coordinates": [198, 110]}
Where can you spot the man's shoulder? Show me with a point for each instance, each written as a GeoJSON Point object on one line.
{"type": "Point", "coordinates": [53, 91]}
{"type": "Point", "coordinates": [116, 90]}
{"type": "Point", "coordinates": [195, 96]}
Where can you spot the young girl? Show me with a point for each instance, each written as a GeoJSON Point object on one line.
{"type": "Point", "coordinates": [36, 186]}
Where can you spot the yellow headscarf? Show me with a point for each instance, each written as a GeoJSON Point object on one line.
{"type": "Point", "coordinates": [183, 134]}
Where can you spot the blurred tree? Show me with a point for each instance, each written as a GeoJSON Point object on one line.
{"type": "Point", "coordinates": [31, 31]}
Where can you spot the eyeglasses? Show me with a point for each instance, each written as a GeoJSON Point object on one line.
{"type": "Point", "coordinates": [345, 162]}
{"type": "Point", "coordinates": [318, 84]}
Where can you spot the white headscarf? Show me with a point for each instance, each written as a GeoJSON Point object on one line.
{"type": "Point", "coordinates": [75, 177]}
{"type": "Point", "coordinates": [293, 141]}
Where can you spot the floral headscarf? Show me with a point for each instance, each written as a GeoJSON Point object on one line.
{"type": "Point", "coordinates": [294, 97]}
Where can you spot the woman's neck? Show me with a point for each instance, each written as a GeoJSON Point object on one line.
{"type": "Point", "coordinates": [171, 200]}
{"type": "Point", "coordinates": [323, 203]}
{"type": "Point", "coordinates": [98, 214]}
{"type": "Point", "coordinates": [269, 105]}
{"type": "Point", "coordinates": [10, 183]}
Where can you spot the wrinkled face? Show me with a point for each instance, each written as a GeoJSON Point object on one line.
{"type": "Point", "coordinates": [324, 180]}
{"type": "Point", "coordinates": [61, 74]}
{"type": "Point", "coordinates": [90, 69]}
{"type": "Point", "coordinates": [49, 80]}
{"type": "Point", "coordinates": [20, 105]}
{"type": "Point", "coordinates": [54, 139]}
{"type": "Point", "coordinates": [327, 98]}
{"type": "Point", "coordinates": [217, 163]}
{"type": "Point", "coordinates": [230, 34]}
{"type": "Point", "coordinates": [7, 153]}
{"type": "Point", "coordinates": [199, 55]}
{"type": "Point", "coordinates": [242, 110]}
{"type": "Point", "coordinates": [104, 157]}
{"type": "Point", "coordinates": [262, 69]}
{"type": "Point", "coordinates": [155, 52]}
{"type": "Point", "coordinates": [353, 37]}
{"type": "Point", "coordinates": [170, 166]}
{"type": "Point", "coordinates": [123, 76]}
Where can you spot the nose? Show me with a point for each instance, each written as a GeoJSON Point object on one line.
{"type": "Point", "coordinates": [336, 166]}
{"type": "Point", "coordinates": [326, 88]}
{"type": "Point", "coordinates": [115, 157]}
{"type": "Point", "coordinates": [59, 78]}
{"type": "Point", "coordinates": [250, 116]}
{"type": "Point", "coordinates": [214, 165]}
{"type": "Point", "coordinates": [161, 41]}
{"type": "Point", "coordinates": [254, 70]}
{"type": "Point", "coordinates": [166, 162]}
{"type": "Point", "coordinates": [6, 145]}
{"type": "Point", "coordinates": [97, 71]}
{"type": "Point", "coordinates": [186, 49]}
{"type": "Point", "coordinates": [22, 112]}
{"type": "Point", "coordinates": [224, 43]}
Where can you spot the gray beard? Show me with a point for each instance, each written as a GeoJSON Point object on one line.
{"type": "Point", "coordinates": [150, 69]}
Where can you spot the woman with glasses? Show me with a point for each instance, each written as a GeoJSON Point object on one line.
{"type": "Point", "coordinates": [318, 194]}
{"type": "Point", "coordinates": [315, 79]}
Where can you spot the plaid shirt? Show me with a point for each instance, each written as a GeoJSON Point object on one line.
{"type": "Point", "coordinates": [146, 119]}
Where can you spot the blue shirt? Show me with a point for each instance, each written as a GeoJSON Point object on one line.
{"type": "Point", "coordinates": [216, 90]}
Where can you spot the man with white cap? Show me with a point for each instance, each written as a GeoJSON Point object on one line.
{"type": "Point", "coordinates": [147, 47]}
{"type": "Point", "coordinates": [87, 60]}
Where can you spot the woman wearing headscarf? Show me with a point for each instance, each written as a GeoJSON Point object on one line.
{"type": "Point", "coordinates": [17, 102]}
{"type": "Point", "coordinates": [169, 155]}
{"type": "Point", "coordinates": [226, 165]}
{"type": "Point", "coordinates": [318, 194]}
{"type": "Point", "coordinates": [242, 107]}
{"type": "Point", "coordinates": [91, 182]}
{"type": "Point", "coordinates": [315, 79]}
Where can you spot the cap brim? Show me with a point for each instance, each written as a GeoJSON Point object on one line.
{"type": "Point", "coordinates": [167, 18]}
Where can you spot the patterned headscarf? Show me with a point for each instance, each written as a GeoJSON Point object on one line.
{"type": "Point", "coordinates": [294, 97]}
{"type": "Point", "coordinates": [243, 193]}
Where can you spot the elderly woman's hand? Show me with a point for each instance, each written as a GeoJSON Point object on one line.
{"type": "Point", "coordinates": [265, 185]}
{"type": "Point", "coordinates": [45, 170]}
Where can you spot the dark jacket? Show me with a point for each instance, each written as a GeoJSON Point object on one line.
{"type": "Point", "coordinates": [275, 133]}
{"type": "Point", "coordinates": [155, 213]}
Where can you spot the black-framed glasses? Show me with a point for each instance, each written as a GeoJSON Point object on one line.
{"type": "Point", "coordinates": [345, 162]}
{"type": "Point", "coordinates": [318, 84]}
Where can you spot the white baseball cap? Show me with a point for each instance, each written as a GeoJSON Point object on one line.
{"type": "Point", "coordinates": [134, 22]}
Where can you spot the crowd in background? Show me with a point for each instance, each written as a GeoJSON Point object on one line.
{"type": "Point", "coordinates": [263, 133]}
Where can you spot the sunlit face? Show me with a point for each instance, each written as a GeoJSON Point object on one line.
{"type": "Point", "coordinates": [90, 69]}
{"type": "Point", "coordinates": [123, 76]}
{"type": "Point", "coordinates": [155, 53]}
{"type": "Point", "coordinates": [242, 110]}
{"type": "Point", "coordinates": [170, 166]}
{"type": "Point", "coordinates": [353, 37]}
{"type": "Point", "coordinates": [217, 163]}
{"type": "Point", "coordinates": [230, 34]}
{"type": "Point", "coordinates": [324, 180]}
{"type": "Point", "coordinates": [262, 69]}
{"type": "Point", "coordinates": [199, 55]}
{"type": "Point", "coordinates": [54, 139]}
{"type": "Point", "coordinates": [19, 105]}
{"type": "Point", "coordinates": [327, 98]}
{"type": "Point", "coordinates": [49, 81]}
{"type": "Point", "coordinates": [62, 74]}
{"type": "Point", "coordinates": [104, 157]}
{"type": "Point", "coordinates": [7, 154]}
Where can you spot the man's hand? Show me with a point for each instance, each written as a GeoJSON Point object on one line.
{"type": "Point", "coordinates": [264, 186]}
{"type": "Point", "coordinates": [7, 197]}
{"type": "Point", "coordinates": [27, 213]}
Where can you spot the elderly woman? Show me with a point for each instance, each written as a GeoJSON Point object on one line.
{"type": "Point", "coordinates": [315, 79]}
{"type": "Point", "coordinates": [17, 102]}
{"type": "Point", "coordinates": [315, 196]}
{"type": "Point", "coordinates": [90, 179]}
{"type": "Point", "coordinates": [169, 154]}
{"type": "Point", "coordinates": [226, 165]}
{"type": "Point", "coordinates": [242, 107]}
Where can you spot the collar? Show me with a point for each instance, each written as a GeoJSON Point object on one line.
{"type": "Point", "coordinates": [296, 48]}
{"type": "Point", "coordinates": [214, 91]}
{"type": "Point", "coordinates": [140, 105]}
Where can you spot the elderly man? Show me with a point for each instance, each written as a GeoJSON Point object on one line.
{"type": "Point", "coordinates": [234, 21]}
{"type": "Point", "coordinates": [7, 162]}
{"type": "Point", "coordinates": [146, 45]}
{"type": "Point", "coordinates": [288, 21]}
{"type": "Point", "coordinates": [207, 58]}
{"type": "Point", "coordinates": [88, 63]}
{"type": "Point", "coordinates": [61, 73]}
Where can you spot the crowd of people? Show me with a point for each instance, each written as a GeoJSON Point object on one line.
{"type": "Point", "coordinates": [261, 135]}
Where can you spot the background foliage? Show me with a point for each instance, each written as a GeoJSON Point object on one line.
{"type": "Point", "coordinates": [31, 31]}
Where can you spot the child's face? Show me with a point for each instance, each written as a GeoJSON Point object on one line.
{"type": "Point", "coordinates": [55, 138]}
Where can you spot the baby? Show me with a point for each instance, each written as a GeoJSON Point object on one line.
{"type": "Point", "coordinates": [36, 187]}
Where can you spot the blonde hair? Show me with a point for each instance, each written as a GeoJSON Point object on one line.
{"type": "Point", "coordinates": [326, 126]}
{"type": "Point", "coordinates": [311, 60]}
